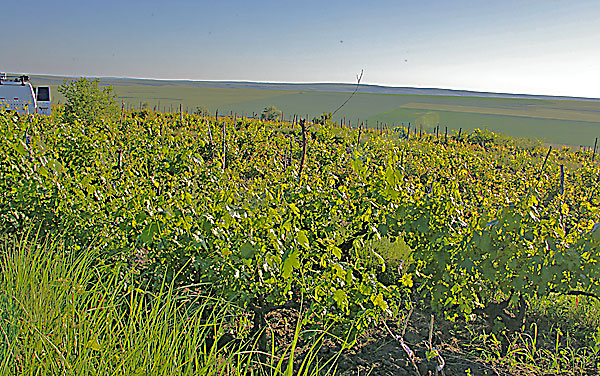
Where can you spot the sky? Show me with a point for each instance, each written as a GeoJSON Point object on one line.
{"type": "Point", "coordinates": [548, 47]}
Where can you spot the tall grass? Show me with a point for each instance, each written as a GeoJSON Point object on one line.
{"type": "Point", "coordinates": [66, 314]}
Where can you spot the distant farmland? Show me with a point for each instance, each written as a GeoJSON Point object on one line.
{"type": "Point", "coordinates": [571, 121]}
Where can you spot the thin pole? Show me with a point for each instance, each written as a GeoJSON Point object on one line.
{"type": "Point", "coordinates": [224, 145]}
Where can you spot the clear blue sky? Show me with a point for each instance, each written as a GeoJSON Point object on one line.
{"type": "Point", "coordinates": [537, 47]}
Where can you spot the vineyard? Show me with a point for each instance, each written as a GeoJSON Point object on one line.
{"type": "Point", "coordinates": [148, 243]}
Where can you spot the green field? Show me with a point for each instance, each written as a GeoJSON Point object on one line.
{"type": "Point", "coordinates": [557, 121]}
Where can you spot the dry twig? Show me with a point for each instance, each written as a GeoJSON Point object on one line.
{"type": "Point", "coordinates": [358, 78]}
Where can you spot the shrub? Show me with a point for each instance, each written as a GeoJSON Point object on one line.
{"type": "Point", "coordinates": [87, 102]}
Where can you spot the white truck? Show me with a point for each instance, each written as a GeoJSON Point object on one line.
{"type": "Point", "coordinates": [17, 94]}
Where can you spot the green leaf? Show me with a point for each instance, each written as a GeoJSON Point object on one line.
{"type": "Point", "coordinates": [21, 148]}
{"type": "Point", "coordinates": [390, 177]}
{"type": "Point", "coordinates": [148, 233]}
{"type": "Point", "coordinates": [247, 250]}
{"type": "Point", "coordinates": [302, 239]}
{"type": "Point", "coordinates": [341, 299]}
{"type": "Point", "coordinates": [365, 289]}
{"type": "Point", "coordinates": [406, 280]}
{"type": "Point", "coordinates": [289, 264]}
{"type": "Point", "coordinates": [43, 171]}
{"type": "Point", "coordinates": [378, 301]}
{"type": "Point", "coordinates": [349, 276]}
{"type": "Point", "coordinates": [94, 344]}
{"type": "Point", "coordinates": [336, 252]}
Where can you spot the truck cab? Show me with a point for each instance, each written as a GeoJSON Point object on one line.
{"type": "Point", "coordinates": [17, 94]}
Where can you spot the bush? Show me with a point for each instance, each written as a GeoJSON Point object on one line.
{"type": "Point", "coordinates": [271, 113]}
{"type": "Point", "coordinates": [87, 102]}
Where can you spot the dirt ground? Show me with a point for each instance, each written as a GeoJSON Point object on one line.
{"type": "Point", "coordinates": [378, 353]}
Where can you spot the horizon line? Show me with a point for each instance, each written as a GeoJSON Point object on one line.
{"type": "Point", "coordinates": [321, 83]}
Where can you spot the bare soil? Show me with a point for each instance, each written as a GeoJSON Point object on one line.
{"type": "Point", "coordinates": [378, 353]}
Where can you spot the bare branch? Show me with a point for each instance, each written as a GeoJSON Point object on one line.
{"type": "Point", "coordinates": [358, 78]}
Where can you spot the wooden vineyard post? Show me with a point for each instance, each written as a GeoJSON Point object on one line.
{"type": "Point", "coordinates": [562, 193]}
{"type": "Point", "coordinates": [544, 164]}
{"type": "Point", "coordinates": [122, 112]}
{"type": "Point", "coordinates": [360, 127]}
{"type": "Point", "coordinates": [459, 132]}
{"type": "Point", "coordinates": [209, 132]}
{"type": "Point", "coordinates": [289, 160]}
{"type": "Point", "coordinates": [180, 113]}
{"type": "Point", "coordinates": [224, 145]}
{"type": "Point", "coordinates": [120, 159]}
{"type": "Point", "coordinates": [408, 132]}
{"type": "Point", "coordinates": [594, 152]}
{"type": "Point", "coordinates": [562, 179]}
{"type": "Point", "coordinates": [303, 158]}
{"type": "Point", "coordinates": [446, 136]}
